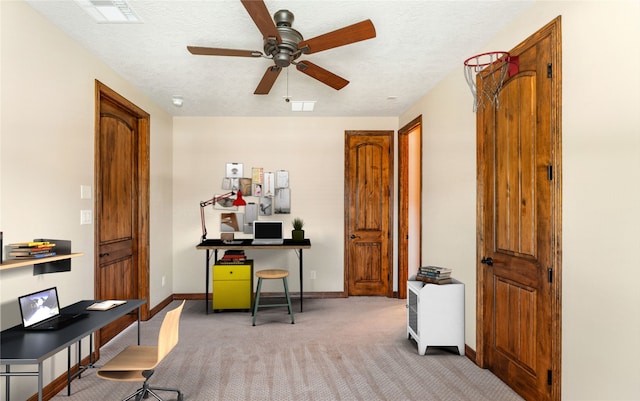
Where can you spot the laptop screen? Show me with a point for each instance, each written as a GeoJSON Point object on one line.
{"type": "Point", "coordinates": [39, 306]}
{"type": "Point", "coordinates": [267, 229]}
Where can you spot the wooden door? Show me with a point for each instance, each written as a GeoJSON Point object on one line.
{"type": "Point", "coordinates": [368, 210]}
{"type": "Point", "coordinates": [519, 223]}
{"type": "Point", "coordinates": [122, 189]}
{"type": "Point", "coordinates": [409, 202]}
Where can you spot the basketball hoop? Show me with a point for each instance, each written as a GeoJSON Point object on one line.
{"type": "Point", "coordinates": [495, 66]}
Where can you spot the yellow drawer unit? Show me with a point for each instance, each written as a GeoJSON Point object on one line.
{"type": "Point", "coordinates": [232, 286]}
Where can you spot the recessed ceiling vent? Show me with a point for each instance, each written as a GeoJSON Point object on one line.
{"type": "Point", "coordinates": [110, 11]}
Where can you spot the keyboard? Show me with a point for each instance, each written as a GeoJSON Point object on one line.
{"type": "Point", "coordinates": [58, 322]}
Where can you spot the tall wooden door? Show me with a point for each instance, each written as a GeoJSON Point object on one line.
{"type": "Point", "coordinates": [519, 223]}
{"type": "Point", "coordinates": [368, 209]}
{"type": "Point", "coordinates": [122, 189]}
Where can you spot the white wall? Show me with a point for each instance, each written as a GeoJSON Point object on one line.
{"type": "Point", "coordinates": [601, 191]}
{"type": "Point", "coordinates": [311, 149]}
{"type": "Point", "coordinates": [47, 146]}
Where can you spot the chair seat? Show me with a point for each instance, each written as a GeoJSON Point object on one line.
{"type": "Point", "coordinates": [272, 273]}
{"type": "Point", "coordinates": [129, 364]}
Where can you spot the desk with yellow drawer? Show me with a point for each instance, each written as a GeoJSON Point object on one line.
{"type": "Point", "coordinates": [232, 286]}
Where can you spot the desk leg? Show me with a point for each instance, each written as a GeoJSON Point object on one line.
{"type": "Point", "coordinates": [206, 284]}
{"type": "Point", "coordinates": [69, 371]}
{"type": "Point", "coordinates": [7, 381]}
{"type": "Point", "coordinates": [301, 292]}
{"type": "Point", "coordinates": [39, 382]}
{"type": "Point", "coordinates": [139, 326]}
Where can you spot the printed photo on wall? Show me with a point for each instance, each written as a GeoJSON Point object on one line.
{"type": "Point", "coordinates": [245, 186]}
{"type": "Point", "coordinates": [226, 184]}
{"type": "Point", "coordinates": [230, 222]}
{"type": "Point", "coordinates": [282, 179]}
{"type": "Point", "coordinates": [256, 175]}
{"type": "Point", "coordinates": [257, 189]}
{"type": "Point", "coordinates": [234, 170]}
{"type": "Point", "coordinates": [266, 206]}
{"type": "Point", "coordinates": [224, 204]}
{"type": "Point", "coordinates": [268, 185]}
{"type": "Point", "coordinates": [282, 201]}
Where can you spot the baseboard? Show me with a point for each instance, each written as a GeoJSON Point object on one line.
{"type": "Point", "coordinates": [470, 353]}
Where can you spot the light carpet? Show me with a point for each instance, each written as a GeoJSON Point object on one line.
{"type": "Point", "coordinates": [338, 349]}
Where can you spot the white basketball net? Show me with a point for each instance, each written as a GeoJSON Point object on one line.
{"type": "Point", "coordinates": [494, 67]}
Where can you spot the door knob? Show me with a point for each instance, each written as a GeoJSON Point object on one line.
{"type": "Point", "coordinates": [353, 236]}
{"type": "Point", "coordinates": [487, 261]}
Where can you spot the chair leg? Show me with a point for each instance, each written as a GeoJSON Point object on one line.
{"type": "Point", "coordinates": [257, 300]}
{"type": "Point", "coordinates": [286, 292]}
{"type": "Point", "coordinates": [175, 390]}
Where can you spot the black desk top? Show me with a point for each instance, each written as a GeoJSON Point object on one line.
{"type": "Point", "coordinates": [20, 346]}
{"type": "Point", "coordinates": [246, 244]}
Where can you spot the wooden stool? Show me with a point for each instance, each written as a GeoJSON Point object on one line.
{"type": "Point", "coordinates": [272, 274]}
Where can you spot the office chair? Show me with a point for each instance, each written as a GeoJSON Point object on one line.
{"type": "Point", "coordinates": [136, 363]}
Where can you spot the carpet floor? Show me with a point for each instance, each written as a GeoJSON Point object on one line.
{"type": "Point", "coordinates": [338, 349]}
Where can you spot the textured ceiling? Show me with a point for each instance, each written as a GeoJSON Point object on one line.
{"type": "Point", "coordinates": [417, 44]}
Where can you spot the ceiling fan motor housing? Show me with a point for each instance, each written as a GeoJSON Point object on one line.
{"type": "Point", "coordinates": [285, 52]}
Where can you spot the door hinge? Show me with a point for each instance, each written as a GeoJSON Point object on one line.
{"type": "Point", "coordinates": [550, 172]}
{"type": "Point", "coordinates": [549, 377]}
{"type": "Point", "coordinates": [549, 70]}
{"type": "Point", "coordinates": [550, 275]}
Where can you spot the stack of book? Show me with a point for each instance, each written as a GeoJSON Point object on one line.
{"type": "Point", "coordinates": [233, 256]}
{"type": "Point", "coordinates": [33, 249]}
{"type": "Point", "coordinates": [434, 274]}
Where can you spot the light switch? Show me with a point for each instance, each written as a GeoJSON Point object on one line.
{"type": "Point", "coordinates": [86, 217]}
{"type": "Point", "coordinates": [85, 192]}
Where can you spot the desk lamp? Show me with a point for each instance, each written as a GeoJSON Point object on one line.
{"type": "Point", "coordinates": [238, 201]}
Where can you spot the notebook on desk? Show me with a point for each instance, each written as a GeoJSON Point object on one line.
{"type": "Point", "coordinates": [267, 233]}
{"type": "Point", "coordinates": [41, 311]}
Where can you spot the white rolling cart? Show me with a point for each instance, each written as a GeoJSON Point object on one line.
{"type": "Point", "coordinates": [435, 314]}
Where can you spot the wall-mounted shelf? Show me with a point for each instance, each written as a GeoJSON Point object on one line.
{"type": "Point", "coordinates": [52, 264]}
{"type": "Point", "coordinates": [13, 263]}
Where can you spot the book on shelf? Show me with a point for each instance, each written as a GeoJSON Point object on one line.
{"type": "Point", "coordinates": [435, 269]}
{"type": "Point", "coordinates": [431, 280]}
{"type": "Point", "coordinates": [32, 244]}
{"type": "Point", "coordinates": [106, 305]}
{"type": "Point", "coordinates": [33, 255]}
{"type": "Point", "coordinates": [435, 275]}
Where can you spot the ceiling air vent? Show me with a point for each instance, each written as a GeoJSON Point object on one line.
{"type": "Point", "coordinates": [110, 11]}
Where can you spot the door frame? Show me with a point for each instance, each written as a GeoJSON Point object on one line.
{"type": "Point", "coordinates": [552, 29]}
{"type": "Point", "coordinates": [141, 225]}
{"type": "Point", "coordinates": [404, 202]}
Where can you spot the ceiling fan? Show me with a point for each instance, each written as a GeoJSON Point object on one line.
{"type": "Point", "coordinates": [284, 45]}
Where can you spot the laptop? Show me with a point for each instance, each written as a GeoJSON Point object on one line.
{"type": "Point", "coordinates": [267, 233]}
{"type": "Point", "coordinates": [41, 311]}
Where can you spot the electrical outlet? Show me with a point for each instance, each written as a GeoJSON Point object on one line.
{"type": "Point", "coordinates": [164, 281]}
{"type": "Point", "coordinates": [312, 274]}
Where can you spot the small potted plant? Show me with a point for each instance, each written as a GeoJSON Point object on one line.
{"type": "Point", "coordinates": [297, 234]}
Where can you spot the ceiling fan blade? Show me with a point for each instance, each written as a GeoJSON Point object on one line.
{"type": "Point", "coordinates": [322, 75]}
{"type": "Point", "coordinates": [349, 34]}
{"type": "Point", "coordinates": [212, 51]}
{"type": "Point", "coordinates": [261, 17]}
{"type": "Point", "coordinates": [267, 81]}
